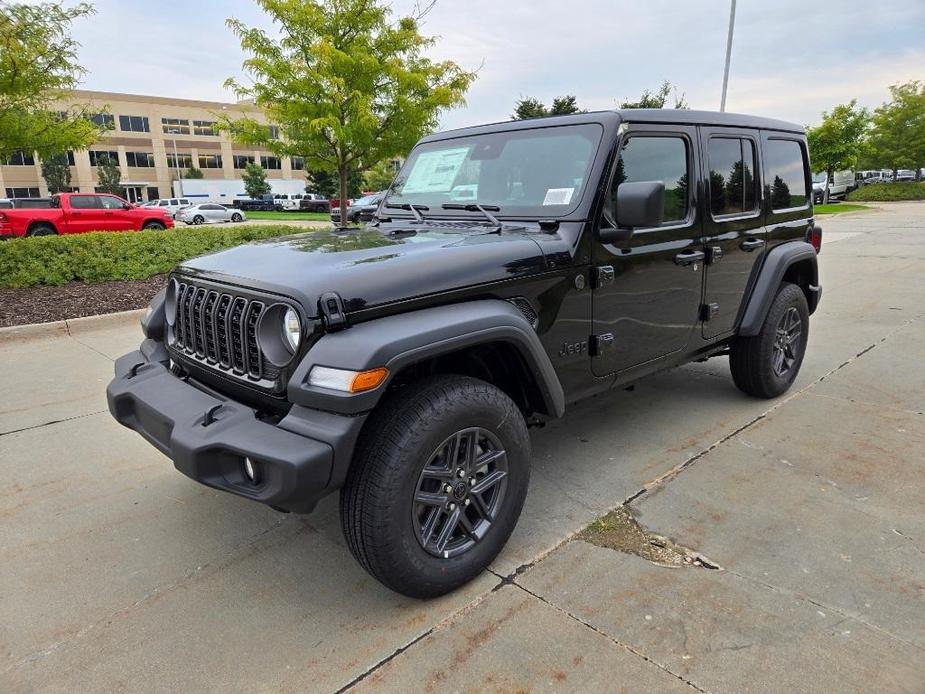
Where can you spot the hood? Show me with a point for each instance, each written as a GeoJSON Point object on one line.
{"type": "Point", "coordinates": [369, 267]}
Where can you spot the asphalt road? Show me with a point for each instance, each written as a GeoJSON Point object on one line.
{"type": "Point", "coordinates": [119, 574]}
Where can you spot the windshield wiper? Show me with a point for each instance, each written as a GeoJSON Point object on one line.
{"type": "Point", "coordinates": [475, 207]}
{"type": "Point", "coordinates": [412, 208]}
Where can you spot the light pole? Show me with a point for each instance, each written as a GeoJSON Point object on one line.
{"type": "Point", "coordinates": [176, 160]}
{"type": "Point", "coordinates": [732, 21]}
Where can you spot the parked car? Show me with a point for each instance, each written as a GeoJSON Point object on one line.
{"type": "Point", "coordinates": [265, 203]}
{"type": "Point", "coordinates": [289, 202]}
{"type": "Point", "coordinates": [208, 212]}
{"type": "Point", "coordinates": [402, 363]}
{"type": "Point", "coordinates": [842, 183]}
{"type": "Point", "coordinates": [170, 205]}
{"type": "Point", "coordinates": [879, 177]}
{"type": "Point", "coordinates": [905, 175]}
{"type": "Point", "coordinates": [312, 202]}
{"type": "Point", "coordinates": [75, 213]}
{"type": "Point", "coordinates": [362, 209]}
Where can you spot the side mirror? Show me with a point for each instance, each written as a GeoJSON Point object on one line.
{"type": "Point", "coordinates": [127, 206]}
{"type": "Point", "coordinates": [640, 204]}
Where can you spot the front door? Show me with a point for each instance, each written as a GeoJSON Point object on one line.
{"type": "Point", "coordinates": [734, 233]}
{"type": "Point", "coordinates": [648, 288]}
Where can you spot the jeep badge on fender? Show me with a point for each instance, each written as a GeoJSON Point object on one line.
{"type": "Point", "coordinates": [398, 364]}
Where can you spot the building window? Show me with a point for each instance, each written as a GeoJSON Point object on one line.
{"type": "Point", "coordinates": [270, 162]}
{"type": "Point", "coordinates": [185, 161]}
{"type": "Point", "coordinates": [143, 160]}
{"type": "Point", "coordinates": [104, 120]}
{"type": "Point", "coordinates": [20, 158]}
{"type": "Point", "coordinates": [153, 193]}
{"type": "Point", "coordinates": [22, 192]}
{"type": "Point", "coordinates": [134, 124]}
{"type": "Point", "coordinates": [175, 126]}
{"type": "Point", "coordinates": [242, 160]}
{"type": "Point", "coordinates": [298, 163]}
{"type": "Point", "coordinates": [204, 127]}
{"type": "Point", "coordinates": [98, 156]}
{"type": "Point", "coordinates": [783, 161]}
{"type": "Point", "coordinates": [274, 131]}
{"type": "Point", "coordinates": [70, 158]}
{"type": "Point", "coordinates": [210, 161]}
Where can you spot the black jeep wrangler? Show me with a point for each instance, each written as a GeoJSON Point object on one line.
{"type": "Point", "coordinates": [512, 269]}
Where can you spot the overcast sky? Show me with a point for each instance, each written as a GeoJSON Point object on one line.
{"type": "Point", "coordinates": [791, 58]}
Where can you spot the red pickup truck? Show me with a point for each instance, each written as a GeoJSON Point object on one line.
{"type": "Point", "coordinates": [77, 213]}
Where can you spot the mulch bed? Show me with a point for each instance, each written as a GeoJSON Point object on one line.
{"type": "Point", "coordinates": [75, 300]}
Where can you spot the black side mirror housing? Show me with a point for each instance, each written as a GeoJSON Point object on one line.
{"type": "Point", "coordinates": [640, 204]}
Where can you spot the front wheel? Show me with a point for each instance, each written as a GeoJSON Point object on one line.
{"type": "Point", "coordinates": [154, 226]}
{"type": "Point", "coordinates": [437, 485]}
{"type": "Point", "coordinates": [198, 219]}
{"type": "Point", "coordinates": [766, 364]}
{"type": "Point", "coordinates": [236, 217]}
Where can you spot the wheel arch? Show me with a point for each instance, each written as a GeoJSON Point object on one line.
{"type": "Point", "coordinates": [487, 339]}
{"type": "Point", "coordinates": [41, 223]}
{"type": "Point", "coordinates": [794, 262]}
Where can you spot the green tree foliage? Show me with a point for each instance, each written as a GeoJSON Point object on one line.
{"type": "Point", "coordinates": [834, 144]}
{"type": "Point", "coordinates": [327, 184]}
{"type": "Point", "coordinates": [344, 82]}
{"type": "Point", "coordinates": [57, 173]}
{"type": "Point", "coordinates": [38, 67]}
{"type": "Point", "coordinates": [194, 173]}
{"type": "Point", "coordinates": [109, 176]}
{"type": "Point", "coordinates": [659, 99]}
{"type": "Point", "coordinates": [381, 175]}
{"type": "Point", "coordinates": [255, 180]}
{"type": "Point", "coordinates": [529, 107]}
{"type": "Point", "coordinates": [897, 134]}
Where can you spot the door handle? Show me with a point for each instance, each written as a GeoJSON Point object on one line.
{"type": "Point", "coordinates": [689, 257]}
{"type": "Point", "coordinates": [749, 245]}
{"type": "Point", "coordinates": [107, 214]}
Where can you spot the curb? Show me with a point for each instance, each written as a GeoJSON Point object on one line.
{"type": "Point", "coordinates": [71, 326]}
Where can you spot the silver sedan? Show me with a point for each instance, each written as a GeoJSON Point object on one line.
{"type": "Point", "coordinates": [209, 212]}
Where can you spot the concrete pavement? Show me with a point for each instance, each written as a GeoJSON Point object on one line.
{"type": "Point", "coordinates": [120, 574]}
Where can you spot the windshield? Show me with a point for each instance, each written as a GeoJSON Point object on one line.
{"type": "Point", "coordinates": [538, 172]}
{"type": "Point", "coordinates": [819, 177]}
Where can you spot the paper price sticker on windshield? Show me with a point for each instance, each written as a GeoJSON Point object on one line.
{"type": "Point", "coordinates": [435, 172]}
{"type": "Point", "coordinates": [558, 196]}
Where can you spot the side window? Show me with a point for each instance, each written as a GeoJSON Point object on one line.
{"type": "Point", "coordinates": [83, 202]}
{"type": "Point", "coordinates": [184, 201]}
{"type": "Point", "coordinates": [110, 203]}
{"type": "Point", "coordinates": [783, 160]}
{"type": "Point", "coordinates": [732, 179]}
{"type": "Point", "coordinates": [656, 159]}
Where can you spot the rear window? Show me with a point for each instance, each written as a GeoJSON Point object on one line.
{"type": "Point", "coordinates": [783, 161]}
{"type": "Point", "coordinates": [84, 202]}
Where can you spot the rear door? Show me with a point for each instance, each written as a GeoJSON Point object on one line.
{"type": "Point", "coordinates": [734, 233]}
{"type": "Point", "coordinates": [648, 288]}
{"type": "Point", "coordinates": [83, 213]}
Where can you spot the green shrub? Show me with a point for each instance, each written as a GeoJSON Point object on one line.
{"type": "Point", "coordinates": [888, 192]}
{"type": "Point", "coordinates": [101, 256]}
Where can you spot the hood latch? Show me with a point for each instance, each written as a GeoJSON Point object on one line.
{"type": "Point", "coordinates": [332, 308]}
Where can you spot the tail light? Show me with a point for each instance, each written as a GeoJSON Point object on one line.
{"type": "Point", "coordinates": [814, 237]}
{"type": "Point", "coordinates": [3, 219]}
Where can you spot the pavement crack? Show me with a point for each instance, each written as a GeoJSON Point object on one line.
{"type": "Point", "coordinates": [53, 421]}
{"type": "Point", "coordinates": [609, 637]}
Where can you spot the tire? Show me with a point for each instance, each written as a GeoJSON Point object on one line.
{"type": "Point", "coordinates": [766, 364]}
{"type": "Point", "coordinates": [154, 226]}
{"type": "Point", "coordinates": [198, 219]}
{"type": "Point", "coordinates": [236, 217]}
{"type": "Point", "coordinates": [42, 230]}
{"type": "Point", "coordinates": [417, 427]}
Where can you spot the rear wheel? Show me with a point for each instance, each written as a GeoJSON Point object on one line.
{"type": "Point", "coordinates": [437, 485]}
{"type": "Point", "coordinates": [766, 364]}
{"type": "Point", "coordinates": [41, 230]}
{"type": "Point", "coordinates": [154, 226]}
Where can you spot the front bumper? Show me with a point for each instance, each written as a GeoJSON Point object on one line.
{"type": "Point", "coordinates": [295, 469]}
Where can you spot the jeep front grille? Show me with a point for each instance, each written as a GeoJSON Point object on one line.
{"type": "Point", "coordinates": [219, 329]}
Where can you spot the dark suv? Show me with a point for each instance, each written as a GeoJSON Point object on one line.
{"type": "Point", "coordinates": [511, 269]}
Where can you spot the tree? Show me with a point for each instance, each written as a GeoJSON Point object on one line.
{"type": "Point", "coordinates": [897, 134]}
{"type": "Point", "coordinates": [57, 173]}
{"type": "Point", "coordinates": [255, 180]}
{"type": "Point", "coordinates": [658, 99]}
{"type": "Point", "coordinates": [108, 175]}
{"type": "Point", "coordinates": [194, 173]}
{"type": "Point", "coordinates": [37, 69]}
{"type": "Point", "coordinates": [834, 143]}
{"type": "Point", "coordinates": [327, 184]}
{"type": "Point", "coordinates": [529, 107]}
{"type": "Point", "coordinates": [343, 82]}
{"type": "Point", "coordinates": [380, 176]}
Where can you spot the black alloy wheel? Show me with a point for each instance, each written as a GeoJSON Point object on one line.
{"type": "Point", "coordinates": [786, 342]}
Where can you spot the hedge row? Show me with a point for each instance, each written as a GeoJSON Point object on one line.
{"type": "Point", "coordinates": [97, 257]}
{"type": "Point", "coordinates": [888, 192]}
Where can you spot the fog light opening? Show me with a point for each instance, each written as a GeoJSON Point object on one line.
{"type": "Point", "coordinates": [251, 471]}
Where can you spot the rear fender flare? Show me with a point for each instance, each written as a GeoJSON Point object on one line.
{"type": "Point", "coordinates": [772, 272]}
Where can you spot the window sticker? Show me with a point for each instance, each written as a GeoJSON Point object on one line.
{"type": "Point", "coordinates": [558, 196]}
{"type": "Point", "coordinates": [434, 172]}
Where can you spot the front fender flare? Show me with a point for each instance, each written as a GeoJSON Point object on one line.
{"type": "Point", "coordinates": [404, 339]}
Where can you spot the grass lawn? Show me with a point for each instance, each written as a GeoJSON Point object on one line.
{"type": "Point", "coordinates": [838, 208]}
{"type": "Point", "coordinates": [290, 216]}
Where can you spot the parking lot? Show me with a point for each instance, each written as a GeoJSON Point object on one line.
{"type": "Point", "coordinates": [120, 574]}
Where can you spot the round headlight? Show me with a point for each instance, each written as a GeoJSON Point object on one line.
{"type": "Point", "coordinates": [292, 329]}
